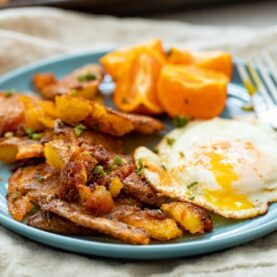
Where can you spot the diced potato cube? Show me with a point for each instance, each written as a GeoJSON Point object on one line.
{"type": "Point", "coordinates": [72, 109]}
{"type": "Point", "coordinates": [189, 216]}
{"type": "Point", "coordinates": [57, 153]}
{"type": "Point", "coordinates": [115, 186]}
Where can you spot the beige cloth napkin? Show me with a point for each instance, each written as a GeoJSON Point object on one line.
{"type": "Point", "coordinates": [33, 33]}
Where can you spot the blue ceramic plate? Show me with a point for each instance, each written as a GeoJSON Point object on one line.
{"type": "Point", "coordinates": [227, 233]}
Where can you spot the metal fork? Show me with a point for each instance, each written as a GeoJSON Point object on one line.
{"type": "Point", "coordinates": [261, 82]}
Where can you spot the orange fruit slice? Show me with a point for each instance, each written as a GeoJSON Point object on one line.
{"type": "Point", "coordinates": [215, 60]}
{"type": "Point", "coordinates": [115, 62]}
{"type": "Point", "coordinates": [192, 91]}
{"type": "Point", "coordinates": [136, 91]}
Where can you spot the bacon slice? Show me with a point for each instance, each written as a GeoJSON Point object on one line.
{"type": "Point", "coordinates": [75, 214]}
{"type": "Point", "coordinates": [140, 190]}
{"type": "Point", "coordinates": [56, 224]}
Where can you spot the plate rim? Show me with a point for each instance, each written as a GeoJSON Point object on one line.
{"type": "Point", "coordinates": [126, 251]}
{"type": "Point", "coordinates": [152, 251]}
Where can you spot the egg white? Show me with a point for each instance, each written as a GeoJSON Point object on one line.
{"type": "Point", "coordinates": [226, 166]}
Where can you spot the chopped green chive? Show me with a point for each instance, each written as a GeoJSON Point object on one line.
{"type": "Point", "coordinates": [119, 161]}
{"type": "Point", "coordinates": [79, 129]}
{"type": "Point", "coordinates": [191, 197]}
{"type": "Point", "coordinates": [181, 154]}
{"type": "Point", "coordinates": [9, 93]}
{"type": "Point", "coordinates": [16, 195]}
{"type": "Point", "coordinates": [29, 132]}
{"type": "Point", "coordinates": [140, 162]}
{"type": "Point", "coordinates": [74, 92]}
{"type": "Point", "coordinates": [99, 170]}
{"type": "Point", "coordinates": [32, 135]}
{"type": "Point", "coordinates": [192, 185]}
{"type": "Point", "coordinates": [39, 178]}
{"type": "Point", "coordinates": [37, 136]}
{"type": "Point", "coordinates": [163, 167]}
{"type": "Point", "coordinates": [140, 166]}
{"type": "Point", "coordinates": [170, 141]}
{"type": "Point", "coordinates": [87, 77]}
{"type": "Point", "coordinates": [8, 135]}
{"type": "Point", "coordinates": [109, 169]}
{"type": "Point", "coordinates": [60, 122]}
{"type": "Point", "coordinates": [156, 151]}
{"type": "Point", "coordinates": [180, 121]}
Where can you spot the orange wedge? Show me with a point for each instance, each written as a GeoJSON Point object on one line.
{"type": "Point", "coordinates": [215, 60]}
{"type": "Point", "coordinates": [192, 91]}
{"type": "Point", "coordinates": [115, 62]}
{"type": "Point", "coordinates": [136, 91]}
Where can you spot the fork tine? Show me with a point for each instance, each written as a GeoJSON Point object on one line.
{"type": "Point", "coordinates": [248, 84]}
{"type": "Point", "coordinates": [258, 101]}
{"type": "Point", "coordinates": [246, 80]}
{"type": "Point", "coordinates": [269, 63]}
{"type": "Point", "coordinates": [267, 79]}
{"type": "Point", "coordinates": [260, 85]}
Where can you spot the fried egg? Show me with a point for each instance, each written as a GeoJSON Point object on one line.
{"type": "Point", "coordinates": [226, 166]}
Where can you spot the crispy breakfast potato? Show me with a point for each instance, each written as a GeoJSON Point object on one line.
{"type": "Point", "coordinates": [83, 82]}
{"type": "Point", "coordinates": [75, 214]}
{"type": "Point", "coordinates": [33, 113]}
{"type": "Point", "coordinates": [19, 111]}
{"type": "Point", "coordinates": [45, 84]}
{"type": "Point", "coordinates": [112, 180]}
{"type": "Point", "coordinates": [116, 123]}
{"type": "Point", "coordinates": [115, 186]}
{"type": "Point", "coordinates": [49, 108]}
{"type": "Point", "coordinates": [28, 112]}
{"type": "Point", "coordinates": [57, 153]}
{"type": "Point", "coordinates": [57, 224]}
{"type": "Point", "coordinates": [68, 135]}
{"type": "Point", "coordinates": [16, 149]}
{"type": "Point", "coordinates": [25, 180]}
{"type": "Point", "coordinates": [83, 155]}
{"type": "Point", "coordinates": [110, 143]}
{"type": "Point", "coordinates": [154, 222]}
{"type": "Point", "coordinates": [96, 199]}
{"type": "Point", "coordinates": [96, 202]}
{"type": "Point", "coordinates": [192, 218]}
{"type": "Point", "coordinates": [98, 117]}
{"type": "Point", "coordinates": [62, 145]}
{"type": "Point", "coordinates": [11, 112]}
{"type": "Point", "coordinates": [71, 109]}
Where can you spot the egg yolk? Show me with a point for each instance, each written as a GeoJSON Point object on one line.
{"type": "Point", "coordinates": [226, 197]}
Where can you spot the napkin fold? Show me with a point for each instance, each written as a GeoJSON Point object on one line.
{"type": "Point", "coordinates": [29, 34]}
